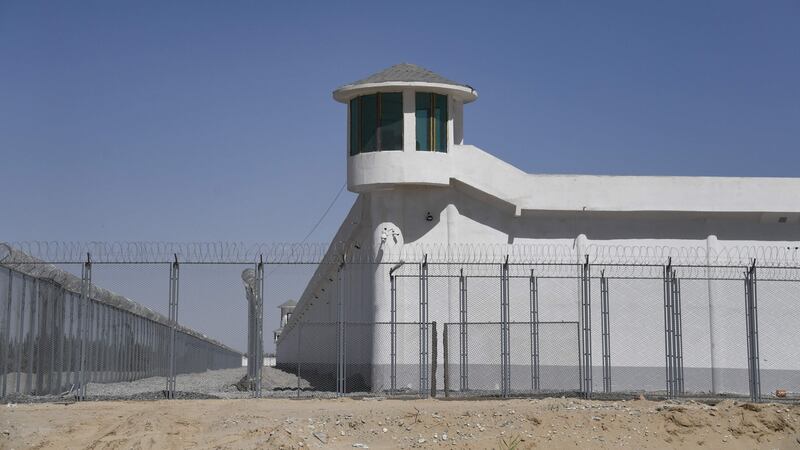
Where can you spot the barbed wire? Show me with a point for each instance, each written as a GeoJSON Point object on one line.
{"type": "Point", "coordinates": [334, 253]}
{"type": "Point", "coordinates": [28, 265]}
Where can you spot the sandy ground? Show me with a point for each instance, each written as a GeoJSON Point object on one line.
{"type": "Point", "coordinates": [376, 423]}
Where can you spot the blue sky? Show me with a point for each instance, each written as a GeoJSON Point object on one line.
{"type": "Point", "coordinates": [209, 121]}
{"type": "Point", "coordinates": [214, 120]}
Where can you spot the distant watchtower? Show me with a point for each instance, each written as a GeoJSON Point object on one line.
{"type": "Point", "coordinates": [287, 309]}
{"type": "Point", "coordinates": [401, 123]}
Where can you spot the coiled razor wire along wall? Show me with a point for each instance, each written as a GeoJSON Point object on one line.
{"type": "Point", "coordinates": [59, 333]}
{"type": "Point", "coordinates": [137, 252]}
{"type": "Point", "coordinates": [508, 329]}
{"type": "Point", "coordinates": [478, 319]}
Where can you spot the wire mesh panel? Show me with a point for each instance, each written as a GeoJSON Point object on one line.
{"type": "Point", "coordinates": [312, 353]}
{"type": "Point", "coordinates": [636, 322]}
{"type": "Point", "coordinates": [37, 326]}
{"type": "Point", "coordinates": [558, 359]}
{"type": "Point", "coordinates": [213, 304]}
{"type": "Point", "coordinates": [729, 336]}
{"type": "Point", "coordinates": [778, 333]}
{"type": "Point", "coordinates": [316, 358]}
{"type": "Point", "coordinates": [364, 328]}
{"type": "Point", "coordinates": [696, 336]}
{"type": "Point", "coordinates": [483, 372]}
{"type": "Point", "coordinates": [125, 320]}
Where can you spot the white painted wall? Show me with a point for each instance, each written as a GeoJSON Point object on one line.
{"type": "Point", "coordinates": [474, 197]}
{"type": "Point", "coordinates": [462, 216]}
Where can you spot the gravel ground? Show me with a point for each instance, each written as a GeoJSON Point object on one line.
{"type": "Point", "coordinates": [347, 423]}
{"type": "Point", "coordinates": [206, 385]}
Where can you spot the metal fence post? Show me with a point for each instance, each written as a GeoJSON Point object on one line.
{"type": "Point", "coordinates": [505, 347]}
{"type": "Point", "coordinates": [751, 316]}
{"type": "Point", "coordinates": [678, 333]}
{"type": "Point", "coordinates": [669, 359]}
{"type": "Point", "coordinates": [393, 332]}
{"type": "Point", "coordinates": [586, 303]}
{"type": "Point", "coordinates": [463, 337]}
{"type": "Point", "coordinates": [446, 355]}
{"type": "Point", "coordinates": [434, 357]}
{"type": "Point", "coordinates": [534, 311]}
{"type": "Point", "coordinates": [423, 327]}
{"type": "Point", "coordinates": [673, 336]}
{"type": "Point", "coordinates": [83, 323]}
{"type": "Point", "coordinates": [259, 319]}
{"type": "Point", "coordinates": [605, 324]}
{"type": "Point", "coordinates": [174, 278]}
{"type": "Point", "coordinates": [5, 342]}
{"type": "Point", "coordinates": [250, 340]}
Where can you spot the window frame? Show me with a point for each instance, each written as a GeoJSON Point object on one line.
{"type": "Point", "coordinates": [356, 131]}
{"type": "Point", "coordinates": [436, 129]}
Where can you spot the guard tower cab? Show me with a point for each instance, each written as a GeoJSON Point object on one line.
{"type": "Point", "coordinates": [402, 123]}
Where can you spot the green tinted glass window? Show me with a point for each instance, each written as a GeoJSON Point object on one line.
{"type": "Point", "coordinates": [391, 121]}
{"type": "Point", "coordinates": [423, 109]}
{"type": "Point", "coordinates": [439, 122]}
{"type": "Point", "coordinates": [369, 123]}
{"type": "Point", "coordinates": [355, 132]}
{"type": "Point", "coordinates": [431, 119]}
{"type": "Point", "coordinates": [376, 122]}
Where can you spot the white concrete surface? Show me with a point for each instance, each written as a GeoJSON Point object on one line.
{"type": "Point", "coordinates": [475, 198]}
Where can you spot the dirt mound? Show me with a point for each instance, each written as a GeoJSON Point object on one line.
{"type": "Point", "coordinates": [382, 423]}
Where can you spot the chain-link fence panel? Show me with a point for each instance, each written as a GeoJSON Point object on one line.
{"type": "Point", "coordinates": [127, 331]}
{"type": "Point", "coordinates": [696, 336]}
{"type": "Point", "coordinates": [317, 358]}
{"type": "Point", "coordinates": [474, 359]}
{"type": "Point", "coordinates": [636, 331]}
{"type": "Point", "coordinates": [778, 305]}
{"type": "Point", "coordinates": [544, 358]}
{"type": "Point", "coordinates": [350, 358]}
{"type": "Point", "coordinates": [213, 303]}
{"type": "Point", "coordinates": [38, 325]}
{"type": "Point", "coordinates": [728, 329]}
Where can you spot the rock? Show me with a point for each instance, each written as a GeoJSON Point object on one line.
{"type": "Point", "coordinates": [322, 437]}
{"type": "Point", "coordinates": [245, 384]}
{"type": "Point", "coordinates": [360, 445]}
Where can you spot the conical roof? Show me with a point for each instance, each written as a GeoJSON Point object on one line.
{"type": "Point", "coordinates": [405, 74]}
{"type": "Point", "coordinates": [288, 304]}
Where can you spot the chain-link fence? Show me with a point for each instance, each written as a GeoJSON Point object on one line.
{"type": "Point", "coordinates": [401, 328]}
{"type": "Point", "coordinates": [64, 335]}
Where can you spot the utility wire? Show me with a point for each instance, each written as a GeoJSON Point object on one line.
{"type": "Point", "coordinates": [314, 228]}
{"type": "Point", "coordinates": [341, 189]}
